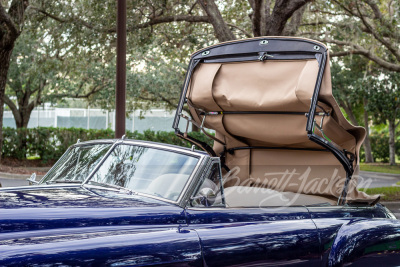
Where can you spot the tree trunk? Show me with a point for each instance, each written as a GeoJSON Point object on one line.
{"type": "Point", "coordinates": [221, 29]}
{"type": "Point", "coordinates": [349, 112]}
{"type": "Point", "coordinates": [22, 112]}
{"type": "Point", "coordinates": [295, 21]}
{"type": "Point", "coordinates": [10, 28]}
{"type": "Point", "coordinates": [392, 144]}
{"type": "Point", "coordinates": [5, 55]}
{"type": "Point", "coordinates": [22, 115]}
{"type": "Point", "coordinates": [25, 115]}
{"type": "Point", "coordinates": [281, 13]}
{"type": "Point", "coordinates": [367, 143]}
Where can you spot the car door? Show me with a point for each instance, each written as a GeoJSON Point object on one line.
{"type": "Point", "coordinates": [254, 236]}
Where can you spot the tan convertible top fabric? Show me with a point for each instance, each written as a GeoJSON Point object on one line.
{"type": "Point", "coordinates": [275, 85]}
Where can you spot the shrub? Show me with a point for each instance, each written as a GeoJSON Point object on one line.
{"type": "Point", "coordinates": [50, 143]}
{"type": "Point", "coordinates": [380, 148]}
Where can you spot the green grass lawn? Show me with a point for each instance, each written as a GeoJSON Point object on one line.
{"type": "Point", "coordinates": [380, 167]}
{"type": "Point", "coordinates": [390, 193]}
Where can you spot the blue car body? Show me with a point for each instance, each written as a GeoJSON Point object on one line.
{"type": "Point", "coordinates": [80, 225]}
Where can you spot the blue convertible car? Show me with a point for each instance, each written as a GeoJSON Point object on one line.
{"type": "Point", "coordinates": [278, 187]}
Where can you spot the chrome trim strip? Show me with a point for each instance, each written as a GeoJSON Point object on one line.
{"type": "Point", "coordinates": [100, 162]}
{"type": "Point", "coordinates": [63, 155]}
{"type": "Point", "coordinates": [158, 198]}
{"type": "Point", "coordinates": [187, 151]}
{"type": "Point", "coordinates": [98, 141]}
{"type": "Point", "coordinates": [86, 143]}
{"type": "Point", "coordinates": [89, 186]}
{"type": "Point", "coordinates": [202, 170]}
{"type": "Point", "coordinates": [145, 144]}
{"type": "Point", "coordinates": [186, 190]}
{"type": "Point", "coordinates": [218, 160]}
{"type": "Point", "coordinates": [38, 187]}
{"type": "Point", "coordinates": [83, 230]}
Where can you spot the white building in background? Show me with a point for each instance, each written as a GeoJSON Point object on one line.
{"type": "Point", "coordinates": [155, 119]}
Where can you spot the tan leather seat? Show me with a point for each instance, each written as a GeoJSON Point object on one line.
{"type": "Point", "coordinates": [245, 196]}
{"type": "Point", "coordinates": [168, 185]}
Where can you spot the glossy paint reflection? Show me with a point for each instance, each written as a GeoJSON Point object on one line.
{"type": "Point", "coordinates": [73, 226]}
{"type": "Point", "coordinates": [256, 237]}
{"type": "Point", "coordinates": [77, 207]}
{"type": "Point", "coordinates": [329, 221]}
{"type": "Point", "coordinates": [361, 238]}
{"type": "Point", "coordinates": [122, 248]}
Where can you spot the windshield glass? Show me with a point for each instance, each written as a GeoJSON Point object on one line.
{"type": "Point", "coordinates": [146, 170]}
{"type": "Point", "coordinates": [77, 163]}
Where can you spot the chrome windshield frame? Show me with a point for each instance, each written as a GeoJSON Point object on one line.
{"type": "Point", "coordinates": [81, 144]}
{"type": "Point", "coordinates": [197, 171]}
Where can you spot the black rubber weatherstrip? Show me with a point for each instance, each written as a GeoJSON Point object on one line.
{"type": "Point", "coordinates": [340, 155]}
{"type": "Point", "coordinates": [231, 150]}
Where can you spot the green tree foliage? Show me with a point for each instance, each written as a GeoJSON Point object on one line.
{"type": "Point", "coordinates": [357, 27]}
{"type": "Point", "coordinates": [364, 27]}
{"type": "Point", "coordinates": [346, 76]}
{"type": "Point", "coordinates": [383, 93]}
{"type": "Point", "coordinates": [31, 69]}
{"type": "Point", "coordinates": [81, 36]}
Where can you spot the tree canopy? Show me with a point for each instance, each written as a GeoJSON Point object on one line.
{"type": "Point", "coordinates": [52, 50]}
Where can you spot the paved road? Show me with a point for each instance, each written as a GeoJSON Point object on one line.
{"type": "Point", "coordinates": [9, 182]}
{"type": "Point", "coordinates": [375, 179]}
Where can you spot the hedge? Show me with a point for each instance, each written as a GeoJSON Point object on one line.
{"type": "Point", "coordinates": [380, 148]}
{"type": "Point", "coordinates": [50, 143]}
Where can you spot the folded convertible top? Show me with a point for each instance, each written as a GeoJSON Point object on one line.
{"type": "Point", "coordinates": [277, 124]}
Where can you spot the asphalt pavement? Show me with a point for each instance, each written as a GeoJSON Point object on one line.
{"type": "Point", "coordinates": [376, 179]}
{"type": "Point", "coordinates": [13, 180]}
{"type": "Point", "coordinates": [10, 182]}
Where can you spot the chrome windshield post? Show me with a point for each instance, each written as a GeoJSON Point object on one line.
{"type": "Point", "coordinates": [101, 161]}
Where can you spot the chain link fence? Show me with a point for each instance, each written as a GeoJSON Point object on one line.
{"type": "Point", "coordinates": [156, 119]}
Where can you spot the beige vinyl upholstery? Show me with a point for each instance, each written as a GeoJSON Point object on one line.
{"type": "Point", "coordinates": [275, 85]}
{"type": "Point", "coordinates": [168, 185]}
{"type": "Point", "coordinates": [246, 196]}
